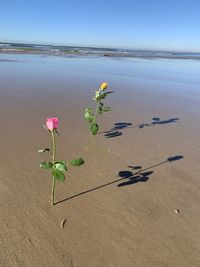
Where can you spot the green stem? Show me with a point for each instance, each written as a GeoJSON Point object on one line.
{"type": "Point", "coordinates": [53, 161]}
{"type": "Point", "coordinates": [95, 116]}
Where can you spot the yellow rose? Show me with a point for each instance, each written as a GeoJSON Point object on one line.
{"type": "Point", "coordinates": [103, 86]}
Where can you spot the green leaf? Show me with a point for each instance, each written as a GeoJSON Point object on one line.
{"type": "Point", "coordinates": [58, 175]}
{"type": "Point", "coordinates": [77, 162]}
{"type": "Point", "coordinates": [60, 165]}
{"type": "Point", "coordinates": [89, 117]}
{"type": "Point", "coordinates": [106, 109]}
{"type": "Point", "coordinates": [100, 110]}
{"type": "Point", "coordinates": [94, 128]}
{"type": "Point", "coordinates": [46, 165]}
{"type": "Point", "coordinates": [89, 110]}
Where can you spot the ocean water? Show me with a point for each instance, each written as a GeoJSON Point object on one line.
{"type": "Point", "coordinates": [92, 51]}
{"type": "Point", "coordinates": [179, 72]}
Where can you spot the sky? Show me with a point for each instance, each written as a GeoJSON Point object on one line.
{"type": "Point", "coordinates": [142, 24]}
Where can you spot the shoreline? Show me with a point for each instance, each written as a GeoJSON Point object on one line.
{"type": "Point", "coordinates": [92, 53]}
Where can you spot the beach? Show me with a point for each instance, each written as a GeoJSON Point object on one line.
{"type": "Point", "coordinates": [135, 202]}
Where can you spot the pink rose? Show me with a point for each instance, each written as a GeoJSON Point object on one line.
{"type": "Point", "coordinates": [52, 123]}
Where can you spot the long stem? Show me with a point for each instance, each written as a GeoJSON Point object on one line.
{"type": "Point", "coordinates": [53, 161]}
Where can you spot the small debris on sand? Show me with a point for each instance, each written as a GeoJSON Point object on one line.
{"type": "Point", "coordinates": [177, 211]}
{"type": "Point", "coordinates": [62, 224]}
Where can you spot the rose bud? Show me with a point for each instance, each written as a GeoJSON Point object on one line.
{"type": "Point", "coordinates": [52, 123]}
{"type": "Point", "coordinates": [103, 86]}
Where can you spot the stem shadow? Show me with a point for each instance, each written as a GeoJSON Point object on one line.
{"type": "Point", "coordinates": [130, 177]}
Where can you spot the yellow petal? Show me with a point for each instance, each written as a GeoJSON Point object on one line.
{"type": "Point", "coordinates": [103, 86]}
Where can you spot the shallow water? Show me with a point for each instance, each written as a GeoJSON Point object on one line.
{"type": "Point", "coordinates": [184, 72]}
{"type": "Point", "coordinates": [28, 77]}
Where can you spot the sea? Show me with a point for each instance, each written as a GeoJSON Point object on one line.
{"type": "Point", "coordinates": [93, 51]}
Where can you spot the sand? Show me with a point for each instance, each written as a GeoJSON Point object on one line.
{"type": "Point", "coordinates": [120, 206]}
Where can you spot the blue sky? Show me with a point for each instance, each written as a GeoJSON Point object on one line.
{"type": "Point", "coordinates": [143, 24]}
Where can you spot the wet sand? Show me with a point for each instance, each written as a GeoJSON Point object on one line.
{"type": "Point", "coordinates": [120, 206]}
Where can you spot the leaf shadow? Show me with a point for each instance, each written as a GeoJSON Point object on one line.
{"type": "Point", "coordinates": [116, 130]}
